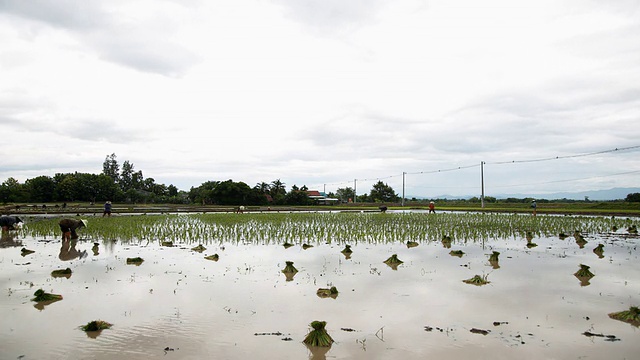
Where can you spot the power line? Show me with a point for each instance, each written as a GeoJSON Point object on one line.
{"type": "Point", "coordinates": [566, 156]}
{"type": "Point", "coordinates": [567, 180]}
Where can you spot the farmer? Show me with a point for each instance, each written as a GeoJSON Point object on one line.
{"type": "Point", "coordinates": [10, 222]}
{"type": "Point", "coordinates": [534, 206]}
{"type": "Point", "coordinates": [69, 226]}
{"type": "Point", "coordinates": [432, 207]}
{"type": "Point", "coordinates": [383, 208]}
{"type": "Point", "coordinates": [107, 209]}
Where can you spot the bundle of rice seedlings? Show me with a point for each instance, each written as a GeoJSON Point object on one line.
{"type": "Point", "coordinates": [287, 245]}
{"type": "Point", "coordinates": [614, 228]}
{"type": "Point", "coordinates": [318, 336]}
{"type": "Point", "coordinates": [563, 236]}
{"type": "Point", "coordinates": [531, 244]}
{"type": "Point", "coordinates": [213, 257]}
{"type": "Point", "coordinates": [446, 241]}
{"type": "Point", "coordinates": [494, 256]}
{"type": "Point", "coordinates": [581, 242]}
{"type": "Point", "coordinates": [347, 249]}
{"type": "Point", "coordinates": [529, 236]}
{"type": "Point", "coordinates": [289, 268]}
{"type": "Point", "coordinates": [477, 280]}
{"type": "Point", "coordinates": [633, 229]}
{"type": "Point", "coordinates": [584, 272]}
{"type": "Point", "coordinates": [199, 248]}
{"type": "Point", "coordinates": [25, 251]}
{"type": "Point", "coordinates": [167, 243]}
{"type": "Point", "coordinates": [411, 244]}
{"type": "Point", "coordinates": [577, 235]}
{"type": "Point", "coordinates": [631, 316]}
{"type": "Point", "coordinates": [135, 261]}
{"type": "Point", "coordinates": [599, 250]}
{"type": "Point", "coordinates": [457, 253]}
{"type": "Point", "coordinates": [306, 246]}
{"type": "Point", "coordinates": [40, 295]}
{"type": "Point", "coordinates": [331, 292]}
{"type": "Point", "coordinates": [393, 260]}
{"type": "Point", "coordinates": [96, 325]}
{"type": "Point", "coordinates": [62, 273]}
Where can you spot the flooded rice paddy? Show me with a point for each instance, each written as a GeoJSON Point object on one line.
{"type": "Point", "coordinates": [177, 304]}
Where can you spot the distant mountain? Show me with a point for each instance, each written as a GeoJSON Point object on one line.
{"type": "Point", "coordinates": [596, 195]}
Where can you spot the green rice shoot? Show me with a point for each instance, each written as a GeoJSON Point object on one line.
{"type": "Point", "coordinates": [477, 280]}
{"type": "Point", "coordinates": [631, 316]}
{"type": "Point", "coordinates": [318, 336]}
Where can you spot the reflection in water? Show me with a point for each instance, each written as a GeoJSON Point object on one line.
{"type": "Point", "coordinates": [8, 240]}
{"type": "Point", "coordinates": [95, 249]}
{"type": "Point", "coordinates": [40, 305]}
{"type": "Point", "coordinates": [584, 275]}
{"type": "Point", "coordinates": [68, 250]}
{"type": "Point", "coordinates": [318, 352]}
{"type": "Point", "coordinates": [289, 270]}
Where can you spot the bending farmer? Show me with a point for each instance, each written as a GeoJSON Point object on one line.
{"type": "Point", "coordinates": [69, 227]}
{"type": "Point", "coordinates": [10, 222]}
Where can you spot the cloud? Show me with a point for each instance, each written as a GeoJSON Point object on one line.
{"type": "Point", "coordinates": [126, 35]}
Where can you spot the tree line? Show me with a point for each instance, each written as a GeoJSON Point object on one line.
{"type": "Point", "coordinates": [123, 183]}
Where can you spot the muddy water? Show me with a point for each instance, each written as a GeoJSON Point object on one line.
{"type": "Point", "coordinates": [178, 305]}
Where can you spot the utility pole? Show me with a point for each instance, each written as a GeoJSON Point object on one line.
{"type": "Point", "coordinates": [355, 190]}
{"type": "Point", "coordinates": [403, 174]}
{"type": "Point", "coordinates": [482, 183]}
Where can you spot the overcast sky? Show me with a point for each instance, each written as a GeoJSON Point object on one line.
{"type": "Point", "coordinates": [326, 93]}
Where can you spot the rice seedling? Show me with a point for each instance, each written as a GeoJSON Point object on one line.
{"type": "Point", "coordinates": [477, 280]}
{"type": "Point", "coordinates": [584, 271]}
{"type": "Point", "coordinates": [96, 325]}
{"type": "Point", "coordinates": [321, 227]}
{"type": "Point", "coordinates": [318, 336]}
{"type": "Point", "coordinates": [347, 249]}
{"type": "Point", "coordinates": [599, 250]}
{"type": "Point", "coordinates": [325, 293]}
{"type": "Point", "coordinates": [631, 316]}
{"type": "Point", "coordinates": [213, 257]}
{"type": "Point", "coordinates": [41, 295]}
{"type": "Point", "coordinates": [457, 253]}
{"type": "Point", "coordinates": [135, 261]}
{"type": "Point", "coordinates": [61, 273]}
{"type": "Point", "coordinates": [199, 248]}
{"type": "Point", "coordinates": [411, 244]}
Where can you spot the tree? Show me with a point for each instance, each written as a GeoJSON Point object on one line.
{"type": "Point", "coordinates": [277, 191]}
{"type": "Point", "coordinates": [41, 189]}
{"type": "Point", "coordinates": [111, 168]}
{"type": "Point", "coordinates": [633, 197]}
{"type": "Point", "coordinates": [344, 194]}
{"type": "Point", "coordinates": [231, 193]}
{"type": "Point", "coordinates": [173, 191]}
{"type": "Point", "coordinates": [381, 192]}
{"type": "Point", "coordinates": [12, 191]}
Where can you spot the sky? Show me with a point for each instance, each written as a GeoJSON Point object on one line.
{"type": "Point", "coordinates": [326, 94]}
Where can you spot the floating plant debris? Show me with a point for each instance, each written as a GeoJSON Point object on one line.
{"type": "Point", "coordinates": [494, 256]}
{"type": "Point", "coordinates": [135, 261]}
{"type": "Point", "coordinates": [325, 293]}
{"type": "Point", "coordinates": [306, 246]}
{"type": "Point", "coordinates": [393, 259]}
{"type": "Point", "coordinates": [289, 268]}
{"type": "Point", "coordinates": [631, 316]}
{"type": "Point", "coordinates": [412, 244]}
{"type": "Point", "coordinates": [347, 249]}
{"type": "Point", "coordinates": [62, 273]}
{"type": "Point", "coordinates": [96, 325]}
{"type": "Point", "coordinates": [213, 257]}
{"type": "Point", "coordinates": [199, 248]}
{"type": "Point", "coordinates": [287, 245]}
{"type": "Point", "coordinates": [477, 280]}
{"type": "Point", "coordinates": [319, 335]}
{"type": "Point", "coordinates": [531, 245]}
{"type": "Point", "coordinates": [457, 253]}
{"type": "Point", "coordinates": [40, 295]}
{"type": "Point", "coordinates": [563, 236]}
{"type": "Point", "coordinates": [167, 243]}
{"type": "Point", "coordinates": [25, 251]}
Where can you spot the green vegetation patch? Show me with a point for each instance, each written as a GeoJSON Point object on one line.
{"type": "Point", "coordinates": [411, 244]}
{"type": "Point", "coordinates": [477, 280]}
{"type": "Point", "coordinates": [393, 260]}
{"type": "Point", "coordinates": [199, 248]}
{"type": "Point", "coordinates": [325, 293]}
{"type": "Point", "coordinates": [584, 272]}
{"type": "Point", "coordinates": [61, 273]}
{"type": "Point", "coordinates": [457, 253]}
{"type": "Point", "coordinates": [319, 335]}
{"type": "Point", "coordinates": [289, 268]}
{"type": "Point", "coordinates": [135, 261]}
{"type": "Point", "coordinates": [40, 295]}
{"type": "Point", "coordinates": [347, 249]}
{"type": "Point", "coordinates": [96, 325]}
{"type": "Point", "coordinates": [494, 256]}
{"type": "Point", "coordinates": [631, 316]}
{"type": "Point", "coordinates": [213, 257]}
